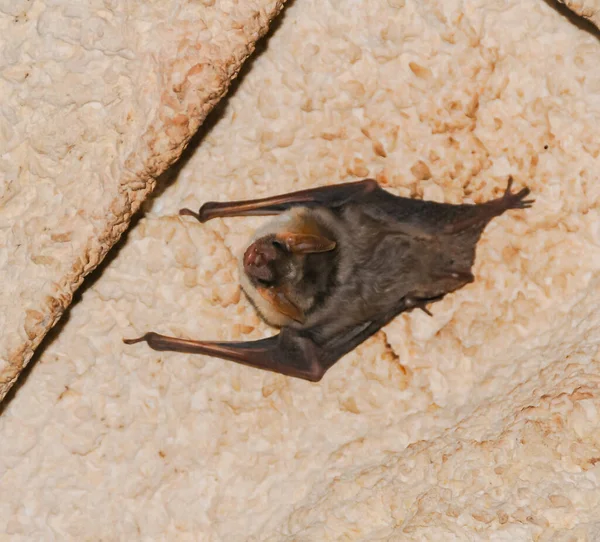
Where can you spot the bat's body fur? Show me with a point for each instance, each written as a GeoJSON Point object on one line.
{"type": "Point", "coordinates": [340, 262]}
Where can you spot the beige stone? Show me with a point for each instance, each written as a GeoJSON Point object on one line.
{"type": "Point", "coordinates": [99, 97]}
{"type": "Point", "coordinates": [479, 424]}
{"type": "Point", "coordinates": [590, 9]}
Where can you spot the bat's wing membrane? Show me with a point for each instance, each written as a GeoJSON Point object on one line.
{"type": "Point", "coordinates": [293, 353]}
{"type": "Point", "coordinates": [288, 353]}
{"type": "Point", "coordinates": [327, 196]}
{"type": "Point", "coordinates": [413, 217]}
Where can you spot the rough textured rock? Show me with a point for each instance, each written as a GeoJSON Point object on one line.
{"type": "Point", "coordinates": [98, 98]}
{"type": "Point", "coordinates": [479, 424]}
{"type": "Point", "coordinates": [590, 9]}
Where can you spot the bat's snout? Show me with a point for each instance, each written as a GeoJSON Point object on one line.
{"type": "Point", "coordinates": [258, 260]}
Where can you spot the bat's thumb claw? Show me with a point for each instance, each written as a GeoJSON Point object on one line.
{"type": "Point", "coordinates": [133, 341]}
{"type": "Point", "coordinates": [189, 212]}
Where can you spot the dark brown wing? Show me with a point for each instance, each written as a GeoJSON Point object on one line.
{"type": "Point", "coordinates": [305, 354]}
{"type": "Point", "coordinates": [326, 196]}
{"type": "Point", "coordinates": [412, 216]}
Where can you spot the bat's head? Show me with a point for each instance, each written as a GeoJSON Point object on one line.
{"type": "Point", "coordinates": [275, 258]}
{"type": "Point", "coordinates": [278, 265]}
{"type": "Point", "coordinates": [267, 262]}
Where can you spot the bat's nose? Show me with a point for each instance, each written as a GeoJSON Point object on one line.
{"type": "Point", "coordinates": [257, 259]}
{"type": "Point", "coordinates": [253, 256]}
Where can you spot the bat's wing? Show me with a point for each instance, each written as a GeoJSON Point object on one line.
{"type": "Point", "coordinates": [305, 354]}
{"type": "Point", "coordinates": [411, 217]}
{"type": "Point", "coordinates": [288, 353]}
{"type": "Point", "coordinates": [327, 196]}
{"type": "Point", "coordinates": [420, 218]}
{"type": "Point", "coordinates": [300, 353]}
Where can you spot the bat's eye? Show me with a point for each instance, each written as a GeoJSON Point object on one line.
{"type": "Point", "coordinates": [278, 245]}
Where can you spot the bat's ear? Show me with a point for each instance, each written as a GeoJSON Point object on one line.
{"type": "Point", "coordinates": [276, 297]}
{"type": "Point", "coordinates": [304, 243]}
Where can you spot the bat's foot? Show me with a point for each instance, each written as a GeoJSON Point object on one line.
{"type": "Point", "coordinates": [491, 209]}
{"type": "Point", "coordinates": [514, 201]}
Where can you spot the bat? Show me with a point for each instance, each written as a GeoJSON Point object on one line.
{"type": "Point", "coordinates": [339, 262]}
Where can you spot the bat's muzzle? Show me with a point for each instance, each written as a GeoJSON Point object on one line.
{"type": "Point", "coordinates": [259, 260]}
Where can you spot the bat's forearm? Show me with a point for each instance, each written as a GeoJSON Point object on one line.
{"type": "Point", "coordinates": [267, 354]}
{"type": "Point", "coordinates": [328, 196]}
